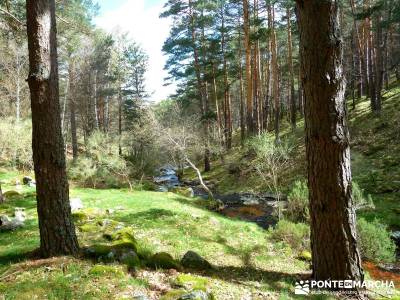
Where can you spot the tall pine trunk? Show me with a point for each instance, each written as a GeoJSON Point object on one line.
{"type": "Point", "coordinates": [72, 109]}
{"type": "Point", "coordinates": [275, 73]}
{"type": "Point", "coordinates": [335, 255]}
{"type": "Point", "coordinates": [249, 83]}
{"type": "Point", "coordinates": [57, 231]}
{"type": "Point", "coordinates": [292, 100]}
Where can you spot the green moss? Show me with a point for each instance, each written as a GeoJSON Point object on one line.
{"type": "Point", "coordinates": [131, 260]}
{"type": "Point", "coordinates": [305, 255]}
{"type": "Point", "coordinates": [183, 191]}
{"type": "Point", "coordinates": [101, 270]}
{"type": "Point", "coordinates": [99, 250]}
{"type": "Point", "coordinates": [191, 282]}
{"type": "Point", "coordinates": [163, 260]}
{"type": "Point", "coordinates": [12, 195]}
{"type": "Point", "coordinates": [80, 216]}
{"type": "Point", "coordinates": [89, 227]}
{"type": "Point", "coordinates": [173, 295]}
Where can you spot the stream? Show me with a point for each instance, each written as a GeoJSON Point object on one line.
{"type": "Point", "coordinates": [252, 207]}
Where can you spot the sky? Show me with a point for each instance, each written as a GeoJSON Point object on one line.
{"type": "Point", "coordinates": [140, 18]}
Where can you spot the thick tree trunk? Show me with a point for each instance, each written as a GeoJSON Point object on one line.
{"type": "Point", "coordinates": [335, 255]}
{"type": "Point", "coordinates": [57, 231]}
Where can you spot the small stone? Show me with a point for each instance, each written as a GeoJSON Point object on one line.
{"type": "Point", "coordinates": [76, 204]}
{"type": "Point", "coordinates": [195, 295]}
{"type": "Point", "coordinates": [163, 260]}
{"type": "Point", "coordinates": [193, 260]}
{"type": "Point", "coordinates": [140, 297]}
{"type": "Point", "coordinates": [27, 180]}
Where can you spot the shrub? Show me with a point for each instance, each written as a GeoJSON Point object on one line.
{"type": "Point", "coordinates": [360, 199]}
{"type": "Point", "coordinates": [296, 235]}
{"type": "Point", "coordinates": [16, 143]}
{"type": "Point", "coordinates": [297, 209]}
{"type": "Point", "coordinates": [100, 164]}
{"type": "Point", "coordinates": [375, 242]}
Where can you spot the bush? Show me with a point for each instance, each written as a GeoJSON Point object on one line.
{"type": "Point", "coordinates": [375, 242]}
{"type": "Point", "coordinates": [297, 210]}
{"type": "Point", "coordinates": [296, 235]}
{"type": "Point", "coordinates": [16, 143]}
{"type": "Point", "coordinates": [100, 164]}
{"type": "Point", "coordinates": [360, 199]}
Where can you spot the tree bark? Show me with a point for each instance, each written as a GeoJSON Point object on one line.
{"type": "Point", "coordinates": [1, 195]}
{"type": "Point", "coordinates": [292, 100]}
{"type": "Point", "coordinates": [249, 84]}
{"type": "Point", "coordinates": [57, 231]}
{"type": "Point", "coordinates": [333, 220]}
{"type": "Point", "coordinates": [227, 102]}
{"type": "Point", "coordinates": [275, 73]}
{"type": "Point", "coordinates": [72, 110]}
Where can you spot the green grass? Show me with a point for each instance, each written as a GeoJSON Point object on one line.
{"type": "Point", "coordinates": [245, 260]}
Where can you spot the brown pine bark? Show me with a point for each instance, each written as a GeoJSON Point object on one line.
{"type": "Point", "coordinates": [227, 102]}
{"type": "Point", "coordinates": [275, 73]}
{"type": "Point", "coordinates": [72, 109]}
{"type": "Point", "coordinates": [378, 63]}
{"type": "Point", "coordinates": [242, 102]}
{"type": "Point", "coordinates": [1, 195]}
{"type": "Point", "coordinates": [201, 86]}
{"type": "Point", "coordinates": [292, 100]}
{"type": "Point", "coordinates": [57, 231]}
{"type": "Point", "coordinates": [249, 83]}
{"type": "Point", "coordinates": [335, 255]}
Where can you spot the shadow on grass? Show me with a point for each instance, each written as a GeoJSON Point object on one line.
{"type": "Point", "coordinates": [13, 258]}
{"type": "Point", "coordinates": [150, 215]}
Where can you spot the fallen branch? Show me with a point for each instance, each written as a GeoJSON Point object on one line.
{"type": "Point", "coordinates": [205, 187]}
{"type": "Point", "coordinates": [12, 16]}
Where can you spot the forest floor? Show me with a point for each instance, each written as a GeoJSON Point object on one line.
{"type": "Point", "coordinates": [247, 263]}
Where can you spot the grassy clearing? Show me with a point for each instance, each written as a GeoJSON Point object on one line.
{"type": "Point", "coordinates": [246, 263]}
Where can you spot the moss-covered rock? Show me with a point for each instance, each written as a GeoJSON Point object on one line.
{"type": "Point", "coordinates": [190, 282]}
{"type": "Point", "coordinates": [88, 227]}
{"type": "Point", "coordinates": [305, 255]}
{"type": "Point", "coordinates": [183, 191]}
{"type": "Point", "coordinates": [193, 260]}
{"type": "Point", "coordinates": [130, 259]}
{"type": "Point", "coordinates": [12, 195]}
{"type": "Point", "coordinates": [80, 216]}
{"type": "Point", "coordinates": [173, 295]}
{"type": "Point", "coordinates": [101, 270]}
{"type": "Point", "coordinates": [163, 260]}
{"type": "Point", "coordinates": [196, 295]}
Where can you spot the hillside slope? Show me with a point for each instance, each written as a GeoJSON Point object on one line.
{"type": "Point", "coordinates": [375, 148]}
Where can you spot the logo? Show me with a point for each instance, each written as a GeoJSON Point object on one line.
{"type": "Point", "coordinates": [302, 287]}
